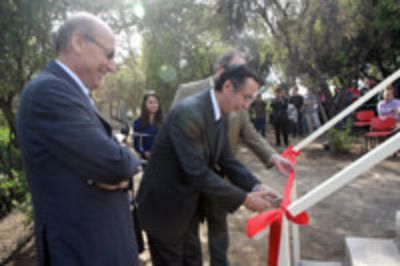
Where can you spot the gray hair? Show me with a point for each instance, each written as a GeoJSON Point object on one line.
{"type": "Point", "coordinates": [82, 22]}
{"type": "Point", "coordinates": [226, 59]}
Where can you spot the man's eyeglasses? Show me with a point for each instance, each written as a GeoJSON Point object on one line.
{"type": "Point", "coordinates": [108, 53]}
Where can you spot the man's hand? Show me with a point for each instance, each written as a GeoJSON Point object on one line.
{"type": "Point", "coordinates": [119, 186]}
{"type": "Point", "coordinates": [283, 165]}
{"type": "Point", "coordinates": [257, 201]}
{"type": "Point", "coordinates": [147, 155]}
{"type": "Point", "coordinates": [272, 196]}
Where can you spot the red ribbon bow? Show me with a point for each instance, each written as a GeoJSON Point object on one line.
{"type": "Point", "coordinates": [273, 218]}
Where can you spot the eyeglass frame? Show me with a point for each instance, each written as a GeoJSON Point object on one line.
{"type": "Point", "coordinates": [109, 54]}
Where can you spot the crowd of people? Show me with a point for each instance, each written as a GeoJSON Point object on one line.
{"type": "Point", "coordinates": [79, 173]}
{"type": "Point", "coordinates": [294, 114]}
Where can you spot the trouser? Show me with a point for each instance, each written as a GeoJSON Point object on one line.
{"type": "Point", "coordinates": [218, 236]}
{"type": "Point", "coordinates": [281, 127]}
{"type": "Point", "coordinates": [312, 121]}
{"type": "Point", "coordinates": [185, 251]}
{"type": "Point", "coordinates": [260, 125]}
{"type": "Point", "coordinates": [300, 124]}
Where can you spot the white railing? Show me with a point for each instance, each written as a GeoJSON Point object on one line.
{"type": "Point", "coordinates": [338, 180]}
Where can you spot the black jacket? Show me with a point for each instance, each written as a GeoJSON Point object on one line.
{"type": "Point", "coordinates": [189, 146]}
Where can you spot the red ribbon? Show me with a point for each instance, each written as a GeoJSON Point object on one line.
{"type": "Point", "coordinates": [273, 218]}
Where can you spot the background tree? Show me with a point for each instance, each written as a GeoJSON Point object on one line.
{"type": "Point", "coordinates": [327, 39]}
{"type": "Point", "coordinates": [180, 43]}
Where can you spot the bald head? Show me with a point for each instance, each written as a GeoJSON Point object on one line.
{"type": "Point", "coordinates": [227, 60]}
{"type": "Point", "coordinates": [85, 23]}
{"type": "Point", "coordinates": [86, 45]}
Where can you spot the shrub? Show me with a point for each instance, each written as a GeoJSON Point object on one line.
{"type": "Point", "coordinates": [341, 139]}
{"type": "Point", "coordinates": [13, 186]}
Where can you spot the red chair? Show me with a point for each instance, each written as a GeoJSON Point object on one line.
{"type": "Point", "coordinates": [380, 129]}
{"type": "Point", "coordinates": [363, 118]}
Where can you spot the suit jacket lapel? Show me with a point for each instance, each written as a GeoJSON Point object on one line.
{"type": "Point", "coordinates": [103, 121]}
{"type": "Point", "coordinates": [55, 69]}
{"type": "Point", "coordinates": [214, 134]}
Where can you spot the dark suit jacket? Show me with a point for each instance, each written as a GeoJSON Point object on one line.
{"type": "Point", "coordinates": [240, 128]}
{"type": "Point", "coordinates": [65, 143]}
{"type": "Point", "coordinates": [186, 151]}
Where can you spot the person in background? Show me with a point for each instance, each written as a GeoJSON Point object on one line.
{"type": "Point", "coordinates": [145, 127]}
{"type": "Point", "coordinates": [311, 111]}
{"type": "Point", "coordinates": [372, 103]}
{"type": "Point", "coordinates": [293, 119]}
{"type": "Point", "coordinates": [259, 109]}
{"type": "Point", "coordinates": [354, 92]}
{"type": "Point", "coordinates": [389, 106]}
{"type": "Point", "coordinates": [279, 116]}
{"type": "Point", "coordinates": [298, 101]}
{"type": "Point", "coordinates": [341, 99]}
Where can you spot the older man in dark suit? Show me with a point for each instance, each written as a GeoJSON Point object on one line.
{"type": "Point", "coordinates": [190, 152]}
{"type": "Point", "coordinates": [77, 171]}
{"type": "Point", "coordinates": [241, 130]}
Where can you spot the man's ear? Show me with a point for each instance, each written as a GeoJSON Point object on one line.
{"type": "Point", "coordinates": [220, 69]}
{"type": "Point", "coordinates": [77, 43]}
{"type": "Point", "coordinates": [227, 87]}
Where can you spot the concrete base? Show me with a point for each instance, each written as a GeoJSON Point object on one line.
{"type": "Point", "coordinates": [371, 252]}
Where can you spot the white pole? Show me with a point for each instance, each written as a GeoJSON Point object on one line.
{"type": "Point", "coordinates": [345, 176]}
{"type": "Point", "coordinates": [284, 249]}
{"type": "Point", "coordinates": [389, 80]}
{"type": "Point", "coordinates": [295, 232]}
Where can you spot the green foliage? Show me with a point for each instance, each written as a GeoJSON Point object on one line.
{"type": "Point", "coordinates": [14, 194]}
{"type": "Point", "coordinates": [13, 186]}
{"type": "Point", "coordinates": [122, 91]}
{"type": "Point", "coordinates": [341, 140]}
{"type": "Point", "coordinates": [184, 38]}
{"type": "Point", "coordinates": [324, 40]}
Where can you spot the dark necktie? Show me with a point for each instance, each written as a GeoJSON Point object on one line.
{"type": "Point", "coordinates": [219, 135]}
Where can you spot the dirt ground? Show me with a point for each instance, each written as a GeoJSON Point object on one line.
{"type": "Point", "coordinates": [364, 208]}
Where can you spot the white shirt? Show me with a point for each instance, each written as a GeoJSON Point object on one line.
{"type": "Point", "coordinates": [216, 109]}
{"type": "Point", "coordinates": [78, 81]}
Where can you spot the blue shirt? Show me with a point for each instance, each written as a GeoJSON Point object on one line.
{"type": "Point", "coordinates": [78, 81]}
{"type": "Point", "coordinates": [390, 108]}
{"type": "Point", "coordinates": [143, 138]}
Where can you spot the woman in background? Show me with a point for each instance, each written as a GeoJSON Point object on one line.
{"type": "Point", "coordinates": [145, 127]}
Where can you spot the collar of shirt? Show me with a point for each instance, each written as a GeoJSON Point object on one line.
{"type": "Point", "coordinates": [78, 81]}
{"type": "Point", "coordinates": [211, 81]}
{"type": "Point", "coordinates": [217, 110]}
